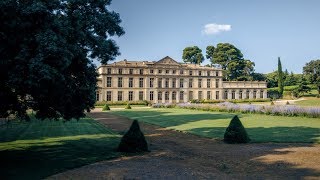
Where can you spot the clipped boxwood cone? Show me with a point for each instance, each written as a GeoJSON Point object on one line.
{"type": "Point", "coordinates": [133, 141]}
{"type": "Point", "coordinates": [235, 132]}
{"type": "Point", "coordinates": [106, 108]}
{"type": "Point", "coordinates": [128, 106]}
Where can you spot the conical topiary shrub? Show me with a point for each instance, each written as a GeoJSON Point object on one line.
{"type": "Point", "coordinates": [106, 108]}
{"type": "Point", "coordinates": [235, 132]}
{"type": "Point", "coordinates": [133, 141]}
{"type": "Point", "coordinates": [128, 106]}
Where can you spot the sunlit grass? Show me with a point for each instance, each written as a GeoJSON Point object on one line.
{"type": "Point", "coordinates": [261, 128]}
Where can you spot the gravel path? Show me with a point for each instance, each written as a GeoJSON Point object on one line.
{"type": "Point", "coordinates": [177, 155]}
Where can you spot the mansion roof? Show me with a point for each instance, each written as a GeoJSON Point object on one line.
{"type": "Point", "coordinates": [164, 62]}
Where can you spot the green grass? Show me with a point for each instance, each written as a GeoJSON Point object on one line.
{"type": "Point", "coordinates": [38, 149]}
{"type": "Point", "coordinates": [309, 101]}
{"type": "Point", "coordinates": [261, 128]}
{"type": "Point", "coordinates": [121, 106]}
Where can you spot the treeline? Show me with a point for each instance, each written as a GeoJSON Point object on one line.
{"type": "Point", "coordinates": [237, 68]}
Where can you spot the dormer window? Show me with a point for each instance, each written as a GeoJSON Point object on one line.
{"type": "Point", "coordinates": [120, 71]}
{"type": "Point", "coordinates": [167, 71]}
{"type": "Point", "coordinates": [130, 71]}
{"type": "Point", "coordinates": [200, 73]}
{"type": "Point", "coordinates": [159, 71]}
{"type": "Point", "coordinates": [190, 73]}
{"type": "Point", "coordinates": [141, 71]}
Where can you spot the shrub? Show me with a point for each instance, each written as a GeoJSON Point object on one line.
{"type": "Point", "coordinates": [128, 106]}
{"type": "Point", "coordinates": [133, 141]}
{"type": "Point", "coordinates": [272, 103]}
{"type": "Point", "coordinates": [106, 108]}
{"type": "Point", "coordinates": [287, 103]}
{"type": "Point", "coordinates": [235, 132]}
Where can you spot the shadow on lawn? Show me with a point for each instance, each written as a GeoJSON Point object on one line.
{"type": "Point", "coordinates": [273, 134]}
{"type": "Point", "coordinates": [38, 162]}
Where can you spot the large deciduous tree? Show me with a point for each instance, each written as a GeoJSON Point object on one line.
{"type": "Point", "coordinates": [232, 61]}
{"type": "Point", "coordinates": [46, 50]}
{"type": "Point", "coordinates": [192, 55]}
{"type": "Point", "coordinates": [312, 70]}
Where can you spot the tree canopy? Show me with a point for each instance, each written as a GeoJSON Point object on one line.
{"type": "Point", "coordinates": [312, 70]}
{"type": "Point", "coordinates": [47, 48]}
{"type": "Point", "coordinates": [232, 61]}
{"type": "Point", "coordinates": [192, 55]}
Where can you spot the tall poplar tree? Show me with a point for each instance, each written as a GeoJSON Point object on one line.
{"type": "Point", "coordinates": [280, 77]}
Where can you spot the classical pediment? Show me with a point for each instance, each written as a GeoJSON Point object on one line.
{"type": "Point", "coordinates": [168, 61]}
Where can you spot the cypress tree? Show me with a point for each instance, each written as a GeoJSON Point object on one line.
{"type": "Point", "coordinates": [280, 77]}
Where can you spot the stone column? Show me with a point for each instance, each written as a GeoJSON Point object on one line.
{"type": "Point", "coordinates": [258, 94]}
{"type": "Point", "coordinates": [221, 94]}
{"type": "Point", "coordinates": [251, 94]}
{"type": "Point", "coordinates": [265, 94]}
{"type": "Point", "coordinates": [170, 96]}
{"type": "Point", "coordinates": [155, 96]}
{"type": "Point", "coordinates": [163, 97]}
{"type": "Point", "coordinates": [237, 94]}
{"type": "Point", "coordinates": [229, 94]}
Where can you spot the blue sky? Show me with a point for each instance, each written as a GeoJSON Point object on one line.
{"type": "Point", "coordinates": [262, 30]}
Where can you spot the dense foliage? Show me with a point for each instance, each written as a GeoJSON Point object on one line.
{"type": "Point", "coordinates": [235, 132]}
{"type": "Point", "coordinates": [312, 70]}
{"type": "Point", "coordinates": [106, 108]}
{"type": "Point", "coordinates": [46, 50]}
{"type": "Point", "coordinates": [133, 141]}
{"type": "Point", "coordinates": [192, 55]}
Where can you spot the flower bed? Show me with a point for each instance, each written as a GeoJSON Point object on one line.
{"type": "Point", "coordinates": [279, 110]}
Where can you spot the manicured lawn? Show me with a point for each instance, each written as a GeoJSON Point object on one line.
{"type": "Point", "coordinates": [38, 149]}
{"type": "Point", "coordinates": [309, 101]}
{"type": "Point", "coordinates": [121, 106]}
{"type": "Point", "coordinates": [261, 128]}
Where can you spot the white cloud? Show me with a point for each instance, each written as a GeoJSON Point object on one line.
{"type": "Point", "coordinates": [215, 28]}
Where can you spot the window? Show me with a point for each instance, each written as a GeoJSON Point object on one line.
{"type": "Point", "coordinates": [217, 73]}
{"type": "Point", "coordinates": [109, 81]}
{"type": "Point", "coordinates": [217, 95]}
{"type": "Point", "coordinates": [160, 83]}
{"type": "Point", "coordinates": [190, 95]}
{"type": "Point", "coordinates": [141, 82]}
{"type": "Point", "coordinates": [141, 71]}
{"type": "Point", "coordinates": [240, 94]}
{"type": "Point", "coordinates": [254, 94]}
{"type": "Point", "coordinates": [166, 95]}
{"type": "Point", "coordinates": [130, 82]}
{"type": "Point", "coordinates": [200, 95]}
{"type": "Point", "coordinates": [109, 97]}
{"type": "Point", "coordinates": [181, 83]}
{"type": "Point", "coordinates": [174, 83]}
{"type": "Point", "coordinates": [199, 83]}
{"type": "Point", "coordinates": [151, 71]}
{"type": "Point", "coordinates": [190, 73]}
{"type": "Point", "coordinates": [261, 94]}
{"type": "Point", "coordinates": [174, 95]}
{"type": "Point", "coordinates": [208, 73]}
{"type": "Point", "coordinates": [130, 95]}
{"type": "Point", "coordinates": [225, 95]}
{"type": "Point", "coordinates": [167, 83]}
{"type": "Point", "coordinates": [130, 71]}
{"type": "Point", "coordinates": [159, 95]}
{"type": "Point", "coordinates": [167, 71]}
{"type": "Point", "coordinates": [190, 83]}
{"type": "Point", "coordinates": [151, 96]}
{"type": "Point", "coordinates": [233, 95]}
{"type": "Point", "coordinates": [208, 94]}
{"type": "Point", "coordinates": [97, 97]}
{"type": "Point", "coordinates": [208, 83]}
{"type": "Point", "coordinates": [120, 82]}
{"type": "Point", "coordinates": [173, 71]}
{"type": "Point", "coordinates": [159, 71]}
{"type": "Point", "coordinates": [217, 83]}
{"type": "Point", "coordinates": [247, 94]}
{"type": "Point", "coordinates": [181, 71]}
{"type": "Point", "coordinates": [140, 95]}
{"type": "Point", "coordinates": [109, 71]}
{"type": "Point", "coordinates": [120, 93]}
{"type": "Point", "coordinates": [120, 71]}
{"type": "Point", "coordinates": [151, 82]}
{"type": "Point", "coordinates": [181, 95]}
{"type": "Point", "coordinates": [200, 74]}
